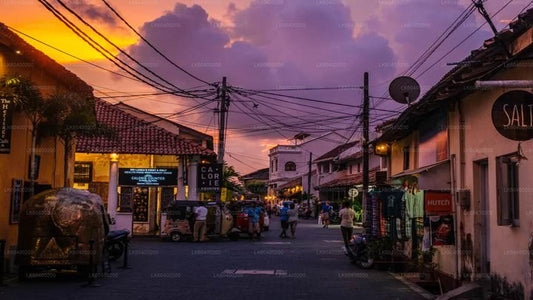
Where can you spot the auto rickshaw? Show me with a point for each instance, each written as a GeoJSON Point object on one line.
{"type": "Point", "coordinates": [180, 219]}
{"type": "Point", "coordinates": [239, 210]}
{"type": "Point", "coordinates": [56, 230]}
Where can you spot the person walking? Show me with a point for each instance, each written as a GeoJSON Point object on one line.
{"type": "Point", "coordinates": [254, 213]}
{"type": "Point", "coordinates": [293, 219]}
{"type": "Point", "coordinates": [199, 223]}
{"type": "Point", "coordinates": [347, 215]}
{"type": "Point", "coordinates": [284, 217]}
{"type": "Point", "coordinates": [326, 210]}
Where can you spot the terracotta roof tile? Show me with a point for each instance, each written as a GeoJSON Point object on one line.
{"type": "Point", "coordinates": [135, 136]}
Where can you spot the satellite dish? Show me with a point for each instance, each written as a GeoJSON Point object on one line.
{"type": "Point", "coordinates": [404, 90]}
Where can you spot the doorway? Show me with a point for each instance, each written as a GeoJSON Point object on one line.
{"type": "Point", "coordinates": [481, 219]}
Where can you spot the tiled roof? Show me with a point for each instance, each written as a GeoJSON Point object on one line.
{"type": "Point", "coordinates": [481, 64]}
{"type": "Point", "coordinates": [134, 136]}
{"type": "Point", "coordinates": [350, 180]}
{"type": "Point", "coordinates": [60, 73]}
{"type": "Point", "coordinates": [336, 151]}
{"type": "Point", "coordinates": [261, 174]}
{"type": "Point", "coordinates": [294, 182]}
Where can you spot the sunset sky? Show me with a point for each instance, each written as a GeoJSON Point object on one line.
{"type": "Point", "coordinates": [261, 44]}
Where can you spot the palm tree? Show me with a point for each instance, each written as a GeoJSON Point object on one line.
{"type": "Point", "coordinates": [66, 116]}
{"type": "Point", "coordinates": [27, 98]}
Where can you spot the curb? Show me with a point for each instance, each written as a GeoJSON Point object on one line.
{"type": "Point", "coordinates": [415, 288]}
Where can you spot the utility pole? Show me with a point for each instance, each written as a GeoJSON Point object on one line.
{"type": "Point", "coordinates": [224, 104]}
{"type": "Point", "coordinates": [367, 207]}
{"type": "Point", "coordinates": [309, 181]}
{"type": "Point", "coordinates": [222, 125]}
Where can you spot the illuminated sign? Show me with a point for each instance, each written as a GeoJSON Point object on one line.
{"type": "Point", "coordinates": [438, 203]}
{"type": "Point", "coordinates": [148, 177]}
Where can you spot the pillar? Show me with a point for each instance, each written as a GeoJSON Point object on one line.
{"type": "Point", "coordinates": [181, 179]}
{"type": "Point", "coordinates": [112, 195]}
{"type": "Point", "coordinates": [193, 180]}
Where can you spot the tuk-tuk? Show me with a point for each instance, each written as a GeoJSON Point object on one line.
{"type": "Point", "coordinates": [55, 230]}
{"type": "Point", "coordinates": [180, 219]}
{"type": "Point", "coordinates": [239, 210]}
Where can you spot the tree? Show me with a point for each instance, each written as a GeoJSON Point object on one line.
{"type": "Point", "coordinates": [67, 116]}
{"type": "Point", "coordinates": [230, 179]}
{"type": "Point", "coordinates": [27, 98]}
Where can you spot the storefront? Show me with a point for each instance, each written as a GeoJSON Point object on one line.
{"type": "Point", "coordinates": [139, 170]}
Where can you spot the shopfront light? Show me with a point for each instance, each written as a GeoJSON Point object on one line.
{"type": "Point", "coordinates": [382, 149]}
{"type": "Point", "coordinates": [113, 157]}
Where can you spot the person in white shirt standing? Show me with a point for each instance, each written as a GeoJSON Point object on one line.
{"type": "Point", "coordinates": [199, 223]}
{"type": "Point", "coordinates": [347, 215]}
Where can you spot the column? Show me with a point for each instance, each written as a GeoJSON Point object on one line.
{"type": "Point", "coordinates": [112, 195]}
{"type": "Point", "coordinates": [193, 180]}
{"type": "Point", "coordinates": [181, 183]}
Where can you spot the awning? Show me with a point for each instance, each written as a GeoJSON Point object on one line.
{"type": "Point", "coordinates": [348, 181]}
{"type": "Point", "coordinates": [420, 170]}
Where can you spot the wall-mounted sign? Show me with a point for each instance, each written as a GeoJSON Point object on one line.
{"type": "Point", "coordinates": [148, 177]}
{"type": "Point", "coordinates": [17, 188]}
{"type": "Point", "coordinates": [442, 232]}
{"type": "Point", "coordinates": [209, 177]}
{"type": "Point", "coordinates": [6, 119]}
{"type": "Point", "coordinates": [512, 115]}
{"type": "Point", "coordinates": [438, 203]}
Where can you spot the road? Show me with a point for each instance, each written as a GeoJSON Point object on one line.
{"type": "Point", "coordinates": [312, 266]}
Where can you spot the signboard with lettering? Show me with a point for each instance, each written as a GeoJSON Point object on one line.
{"type": "Point", "coordinates": [6, 119]}
{"type": "Point", "coordinates": [209, 177]}
{"type": "Point", "coordinates": [512, 115]}
{"type": "Point", "coordinates": [148, 177]}
{"type": "Point", "coordinates": [438, 203]}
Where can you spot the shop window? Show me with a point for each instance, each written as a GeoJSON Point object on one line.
{"type": "Point", "coordinates": [290, 166]}
{"type": "Point", "coordinates": [83, 172]}
{"type": "Point", "coordinates": [125, 199]}
{"type": "Point", "coordinates": [406, 155]}
{"type": "Point", "coordinates": [508, 190]}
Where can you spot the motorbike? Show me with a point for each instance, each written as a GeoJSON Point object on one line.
{"type": "Point", "coordinates": [116, 242]}
{"type": "Point", "coordinates": [357, 251]}
{"type": "Point", "coordinates": [304, 212]}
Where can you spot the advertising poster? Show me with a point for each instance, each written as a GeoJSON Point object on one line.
{"type": "Point", "coordinates": [442, 230]}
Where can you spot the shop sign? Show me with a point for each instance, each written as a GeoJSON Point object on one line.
{"type": "Point", "coordinates": [512, 115]}
{"type": "Point", "coordinates": [438, 203]}
{"type": "Point", "coordinates": [6, 119]}
{"type": "Point", "coordinates": [209, 177]}
{"type": "Point", "coordinates": [148, 177]}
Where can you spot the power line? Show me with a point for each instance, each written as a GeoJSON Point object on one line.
{"type": "Point", "coordinates": [152, 46]}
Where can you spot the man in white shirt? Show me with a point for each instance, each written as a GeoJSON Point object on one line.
{"type": "Point", "coordinates": [199, 223]}
{"type": "Point", "coordinates": [347, 216]}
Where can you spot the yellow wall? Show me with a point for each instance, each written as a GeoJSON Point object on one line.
{"type": "Point", "coordinates": [15, 164]}
{"type": "Point", "coordinates": [397, 154]}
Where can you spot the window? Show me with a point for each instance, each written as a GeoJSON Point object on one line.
{"type": "Point", "coordinates": [351, 169]}
{"type": "Point", "coordinates": [406, 157]}
{"type": "Point", "coordinates": [325, 168]}
{"type": "Point", "coordinates": [508, 190]}
{"type": "Point", "coordinates": [272, 165]}
{"type": "Point", "coordinates": [276, 164]}
{"type": "Point", "coordinates": [358, 167]}
{"type": "Point", "coordinates": [83, 172]}
{"type": "Point", "coordinates": [290, 166]}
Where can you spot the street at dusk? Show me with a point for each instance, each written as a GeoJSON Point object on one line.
{"type": "Point", "coordinates": [266, 149]}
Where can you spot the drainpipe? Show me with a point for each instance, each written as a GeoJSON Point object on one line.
{"type": "Point", "coordinates": [462, 165]}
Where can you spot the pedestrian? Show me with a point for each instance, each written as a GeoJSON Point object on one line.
{"type": "Point", "coordinates": [284, 217]}
{"type": "Point", "coordinates": [199, 223]}
{"type": "Point", "coordinates": [254, 213]}
{"type": "Point", "coordinates": [326, 210]}
{"type": "Point", "coordinates": [293, 219]}
{"type": "Point", "coordinates": [347, 215]}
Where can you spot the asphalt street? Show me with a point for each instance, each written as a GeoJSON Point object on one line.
{"type": "Point", "coordinates": [312, 266]}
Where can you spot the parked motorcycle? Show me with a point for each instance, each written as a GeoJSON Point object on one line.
{"type": "Point", "coordinates": [357, 251]}
{"type": "Point", "coordinates": [116, 242]}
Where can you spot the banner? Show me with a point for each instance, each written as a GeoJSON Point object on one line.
{"type": "Point", "coordinates": [442, 232]}
{"type": "Point", "coordinates": [209, 177]}
{"type": "Point", "coordinates": [6, 119]}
